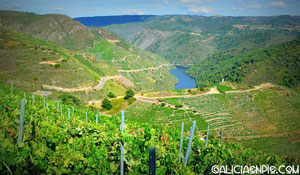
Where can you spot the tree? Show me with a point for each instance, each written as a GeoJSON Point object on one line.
{"type": "Point", "coordinates": [129, 93]}
{"type": "Point", "coordinates": [69, 99]}
{"type": "Point", "coordinates": [106, 104]}
{"type": "Point", "coordinates": [111, 95]}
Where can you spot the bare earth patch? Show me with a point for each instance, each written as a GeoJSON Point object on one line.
{"type": "Point", "coordinates": [112, 41]}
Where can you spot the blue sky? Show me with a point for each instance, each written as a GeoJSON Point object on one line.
{"type": "Point", "coordinates": [77, 8]}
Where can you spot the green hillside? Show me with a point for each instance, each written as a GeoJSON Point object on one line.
{"type": "Point", "coordinates": [189, 39]}
{"type": "Point", "coordinates": [29, 63]}
{"type": "Point", "coordinates": [59, 29]}
{"type": "Point", "coordinates": [54, 50]}
{"type": "Point", "coordinates": [257, 115]}
{"type": "Point", "coordinates": [55, 142]}
{"type": "Point", "coordinates": [279, 64]}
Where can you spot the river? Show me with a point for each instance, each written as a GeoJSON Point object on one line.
{"type": "Point", "coordinates": [184, 80]}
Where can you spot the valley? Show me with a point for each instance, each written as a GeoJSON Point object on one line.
{"type": "Point", "coordinates": [239, 76]}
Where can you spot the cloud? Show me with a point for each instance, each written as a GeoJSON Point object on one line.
{"type": "Point", "coordinates": [237, 8]}
{"type": "Point", "coordinates": [166, 2]}
{"type": "Point", "coordinates": [254, 5]}
{"type": "Point", "coordinates": [277, 4]}
{"type": "Point", "coordinates": [59, 9]}
{"type": "Point", "coordinates": [195, 9]}
{"type": "Point", "coordinates": [12, 6]}
{"type": "Point", "coordinates": [133, 12]}
{"type": "Point", "coordinates": [195, 1]}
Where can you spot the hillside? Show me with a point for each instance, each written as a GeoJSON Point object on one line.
{"type": "Point", "coordinates": [267, 115]}
{"type": "Point", "coordinates": [55, 141]}
{"type": "Point", "coordinates": [279, 64]}
{"type": "Point", "coordinates": [58, 29]}
{"type": "Point", "coordinates": [29, 63]}
{"type": "Point", "coordinates": [93, 63]}
{"type": "Point", "coordinates": [189, 39]}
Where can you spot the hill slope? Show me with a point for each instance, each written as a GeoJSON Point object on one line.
{"type": "Point", "coordinates": [58, 29]}
{"type": "Point", "coordinates": [190, 39]}
{"type": "Point", "coordinates": [55, 142]}
{"type": "Point", "coordinates": [279, 64]}
{"type": "Point", "coordinates": [93, 53]}
{"type": "Point", "coordinates": [29, 63]}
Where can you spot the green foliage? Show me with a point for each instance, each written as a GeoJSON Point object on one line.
{"type": "Point", "coordinates": [129, 94]}
{"type": "Point", "coordinates": [278, 64]}
{"type": "Point", "coordinates": [106, 104]}
{"type": "Point", "coordinates": [57, 66]}
{"type": "Point", "coordinates": [222, 88]}
{"type": "Point", "coordinates": [70, 99]}
{"type": "Point", "coordinates": [65, 146]}
{"type": "Point", "coordinates": [111, 95]}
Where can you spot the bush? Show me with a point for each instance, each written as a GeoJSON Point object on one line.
{"type": "Point", "coordinates": [69, 99]}
{"type": "Point", "coordinates": [57, 66]}
{"type": "Point", "coordinates": [129, 93]}
{"type": "Point", "coordinates": [106, 104]}
{"type": "Point", "coordinates": [222, 89]}
{"type": "Point", "coordinates": [163, 104]}
{"type": "Point", "coordinates": [111, 95]}
{"type": "Point", "coordinates": [35, 78]}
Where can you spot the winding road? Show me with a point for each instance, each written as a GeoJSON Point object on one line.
{"type": "Point", "coordinates": [76, 89]}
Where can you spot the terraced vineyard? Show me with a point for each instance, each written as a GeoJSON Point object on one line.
{"type": "Point", "coordinates": [55, 140]}
{"type": "Point", "coordinates": [266, 112]}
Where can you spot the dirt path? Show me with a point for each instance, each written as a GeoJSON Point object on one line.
{"type": "Point", "coordinates": [76, 89]}
{"type": "Point", "coordinates": [148, 68]}
{"type": "Point", "coordinates": [51, 62]}
{"type": "Point", "coordinates": [213, 90]}
{"type": "Point", "coordinates": [265, 85]}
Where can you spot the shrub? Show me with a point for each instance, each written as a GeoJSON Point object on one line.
{"type": "Point", "coordinates": [35, 78]}
{"type": "Point", "coordinates": [129, 93]}
{"type": "Point", "coordinates": [163, 104]}
{"type": "Point", "coordinates": [106, 104]}
{"type": "Point", "coordinates": [222, 89]}
{"type": "Point", "coordinates": [57, 66]}
{"type": "Point", "coordinates": [69, 99]}
{"type": "Point", "coordinates": [111, 95]}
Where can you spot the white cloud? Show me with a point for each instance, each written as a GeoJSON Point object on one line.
{"type": "Point", "coordinates": [195, 1]}
{"type": "Point", "coordinates": [10, 6]}
{"type": "Point", "coordinates": [195, 9]}
{"type": "Point", "coordinates": [59, 9]}
{"type": "Point", "coordinates": [254, 5]}
{"type": "Point", "coordinates": [133, 12]}
{"type": "Point", "coordinates": [237, 8]}
{"type": "Point", "coordinates": [277, 4]}
{"type": "Point", "coordinates": [166, 2]}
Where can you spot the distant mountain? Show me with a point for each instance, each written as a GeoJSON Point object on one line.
{"type": "Point", "coordinates": [186, 39]}
{"type": "Point", "coordinates": [100, 21]}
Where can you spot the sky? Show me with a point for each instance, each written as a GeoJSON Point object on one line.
{"type": "Point", "coordinates": [80, 8]}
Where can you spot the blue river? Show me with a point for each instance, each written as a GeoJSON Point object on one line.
{"type": "Point", "coordinates": [184, 80]}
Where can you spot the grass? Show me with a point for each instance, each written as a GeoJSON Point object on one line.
{"type": "Point", "coordinates": [277, 145]}
{"type": "Point", "coordinates": [119, 104]}
{"type": "Point", "coordinates": [264, 111]}
{"type": "Point", "coordinates": [222, 88]}
{"type": "Point", "coordinates": [20, 63]}
{"type": "Point", "coordinates": [158, 115]}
